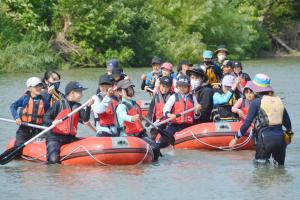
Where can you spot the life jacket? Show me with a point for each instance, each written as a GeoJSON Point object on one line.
{"type": "Point", "coordinates": [34, 111]}
{"type": "Point", "coordinates": [271, 111]}
{"type": "Point", "coordinates": [245, 107]}
{"type": "Point", "coordinates": [55, 98]}
{"type": "Point", "coordinates": [132, 127]}
{"type": "Point", "coordinates": [108, 117]}
{"type": "Point", "coordinates": [69, 126]}
{"type": "Point", "coordinates": [212, 76]}
{"type": "Point", "coordinates": [181, 105]}
{"type": "Point", "coordinates": [159, 105]}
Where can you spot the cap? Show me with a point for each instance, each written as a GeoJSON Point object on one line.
{"type": "Point", "coordinates": [111, 64]}
{"type": "Point", "coordinates": [156, 60]}
{"type": "Point", "coordinates": [73, 85]}
{"type": "Point", "coordinates": [183, 80]}
{"type": "Point", "coordinates": [166, 81]}
{"type": "Point", "coordinates": [33, 81]}
{"type": "Point", "coordinates": [185, 62]}
{"type": "Point", "coordinates": [237, 64]}
{"type": "Point", "coordinates": [124, 84]}
{"type": "Point", "coordinates": [167, 66]}
{"type": "Point", "coordinates": [207, 54]}
{"type": "Point", "coordinates": [227, 63]}
{"type": "Point", "coordinates": [105, 79]}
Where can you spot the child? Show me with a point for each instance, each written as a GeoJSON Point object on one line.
{"type": "Point", "coordinates": [225, 98]}
{"type": "Point", "coordinates": [129, 116]}
{"type": "Point", "coordinates": [166, 71]}
{"type": "Point", "coordinates": [148, 81]}
{"type": "Point", "coordinates": [202, 93]}
{"type": "Point", "coordinates": [104, 108]}
{"type": "Point", "coordinates": [176, 104]}
{"type": "Point", "coordinates": [242, 105]}
{"type": "Point", "coordinates": [237, 68]}
{"type": "Point", "coordinates": [32, 108]}
{"type": "Point", "coordinates": [66, 131]}
{"type": "Point", "coordinates": [51, 82]}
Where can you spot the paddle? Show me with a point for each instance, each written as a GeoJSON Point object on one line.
{"type": "Point", "coordinates": [178, 115]}
{"type": "Point", "coordinates": [11, 153]}
{"type": "Point", "coordinates": [24, 123]}
{"type": "Point", "coordinates": [169, 138]}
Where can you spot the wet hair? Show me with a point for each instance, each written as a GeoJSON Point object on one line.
{"type": "Point", "coordinates": [48, 74]}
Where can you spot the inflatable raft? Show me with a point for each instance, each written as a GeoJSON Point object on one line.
{"type": "Point", "coordinates": [94, 151]}
{"type": "Point", "coordinates": [212, 136]}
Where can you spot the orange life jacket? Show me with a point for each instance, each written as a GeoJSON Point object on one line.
{"type": "Point", "coordinates": [108, 117]}
{"type": "Point", "coordinates": [33, 112]}
{"type": "Point", "coordinates": [133, 127]}
{"type": "Point", "coordinates": [69, 126]}
{"type": "Point", "coordinates": [159, 105]}
{"type": "Point", "coordinates": [181, 105]}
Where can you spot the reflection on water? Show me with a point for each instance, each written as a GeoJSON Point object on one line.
{"type": "Point", "coordinates": [180, 174]}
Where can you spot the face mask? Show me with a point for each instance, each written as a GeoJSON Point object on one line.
{"type": "Point", "coordinates": [221, 57]}
{"type": "Point", "coordinates": [195, 84]}
{"type": "Point", "coordinates": [56, 85]}
{"type": "Point", "coordinates": [207, 63]}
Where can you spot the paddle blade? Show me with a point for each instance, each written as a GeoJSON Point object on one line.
{"type": "Point", "coordinates": [10, 154]}
{"type": "Point", "coordinates": [166, 136]}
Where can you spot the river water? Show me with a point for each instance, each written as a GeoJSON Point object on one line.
{"type": "Point", "coordinates": [180, 174]}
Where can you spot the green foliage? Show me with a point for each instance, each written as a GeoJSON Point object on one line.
{"type": "Point", "coordinates": [27, 56]}
{"type": "Point", "coordinates": [134, 31]}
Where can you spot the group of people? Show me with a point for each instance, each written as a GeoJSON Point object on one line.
{"type": "Point", "coordinates": [215, 90]}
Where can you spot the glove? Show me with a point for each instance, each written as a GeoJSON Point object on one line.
{"type": "Point", "coordinates": [287, 136]}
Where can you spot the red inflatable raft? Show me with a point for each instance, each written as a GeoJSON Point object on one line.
{"type": "Point", "coordinates": [95, 150]}
{"type": "Point", "coordinates": [212, 136]}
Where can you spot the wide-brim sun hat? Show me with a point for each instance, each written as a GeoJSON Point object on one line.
{"type": "Point", "coordinates": [198, 71]}
{"type": "Point", "coordinates": [221, 48]}
{"type": "Point", "coordinates": [260, 83]}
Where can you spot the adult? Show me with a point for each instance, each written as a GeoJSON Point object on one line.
{"type": "Point", "coordinates": [222, 53]}
{"type": "Point", "coordinates": [271, 115]}
{"type": "Point", "coordinates": [213, 71]}
{"type": "Point", "coordinates": [238, 72]}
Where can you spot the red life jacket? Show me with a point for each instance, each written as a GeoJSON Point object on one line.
{"type": "Point", "coordinates": [181, 105]}
{"type": "Point", "coordinates": [108, 117]}
{"type": "Point", "coordinates": [33, 112]}
{"type": "Point", "coordinates": [159, 105]}
{"type": "Point", "coordinates": [133, 127]}
{"type": "Point", "coordinates": [69, 126]}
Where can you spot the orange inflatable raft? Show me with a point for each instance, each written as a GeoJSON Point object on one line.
{"type": "Point", "coordinates": [212, 136]}
{"type": "Point", "coordinates": [95, 150]}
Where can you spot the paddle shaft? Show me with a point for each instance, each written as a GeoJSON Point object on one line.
{"type": "Point", "coordinates": [178, 115]}
{"type": "Point", "coordinates": [24, 123]}
{"type": "Point", "coordinates": [53, 125]}
{"type": "Point", "coordinates": [150, 90]}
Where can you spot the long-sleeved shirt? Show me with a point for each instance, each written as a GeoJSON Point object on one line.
{"type": "Point", "coordinates": [49, 117]}
{"type": "Point", "coordinates": [204, 96]}
{"type": "Point", "coordinates": [22, 103]}
{"type": "Point", "coordinates": [171, 101]}
{"type": "Point", "coordinates": [220, 99]}
{"type": "Point", "coordinates": [253, 112]}
{"type": "Point", "coordinates": [100, 107]}
{"type": "Point", "coordinates": [123, 116]}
